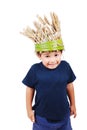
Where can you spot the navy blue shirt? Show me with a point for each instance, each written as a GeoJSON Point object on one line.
{"type": "Point", "coordinates": [51, 99]}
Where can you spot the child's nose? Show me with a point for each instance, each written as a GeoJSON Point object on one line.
{"type": "Point", "coordinates": [52, 60]}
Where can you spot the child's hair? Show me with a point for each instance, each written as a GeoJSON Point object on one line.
{"type": "Point", "coordinates": [39, 53]}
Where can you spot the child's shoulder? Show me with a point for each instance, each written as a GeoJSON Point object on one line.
{"type": "Point", "coordinates": [66, 65]}
{"type": "Point", "coordinates": [65, 62]}
{"type": "Point", "coordinates": [36, 65]}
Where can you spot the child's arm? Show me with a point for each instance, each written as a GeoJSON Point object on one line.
{"type": "Point", "coordinates": [29, 99]}
{"type": "Point", "coordinates": [71, 95]}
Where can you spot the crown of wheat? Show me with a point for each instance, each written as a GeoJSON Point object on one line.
{"type": "Point", "coordinates": [47, 35]}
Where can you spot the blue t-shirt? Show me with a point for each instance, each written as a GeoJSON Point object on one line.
{"type": "Point", "coordinates": [51, 99]}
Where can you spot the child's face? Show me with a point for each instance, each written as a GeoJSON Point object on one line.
{"type": "Point", "coordinates": [51, 59]}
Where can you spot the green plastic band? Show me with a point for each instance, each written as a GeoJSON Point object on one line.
{"type": "Point", "coordinates": [50, 46]}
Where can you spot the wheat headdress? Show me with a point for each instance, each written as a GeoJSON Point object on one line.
{"type": "Point", "coordinates": [47, 35]}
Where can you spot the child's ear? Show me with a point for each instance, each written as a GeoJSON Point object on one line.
{"type": "Point", "coordinates": [38, 55]}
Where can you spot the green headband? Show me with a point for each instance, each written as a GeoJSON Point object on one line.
{"type": "Point", "coordinates": [50, 46]}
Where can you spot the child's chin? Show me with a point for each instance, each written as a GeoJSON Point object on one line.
{"type": "Point", "coordinates": [52, 67]}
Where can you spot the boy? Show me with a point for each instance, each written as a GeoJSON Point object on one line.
{"type": "Point", "coordinates": [51, 79]}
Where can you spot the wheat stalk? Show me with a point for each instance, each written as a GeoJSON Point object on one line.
{"type": "Point", "coordinates": [44, 30]}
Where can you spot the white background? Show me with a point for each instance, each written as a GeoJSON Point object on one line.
{"type": "Point", "coordinates": [17, 55]}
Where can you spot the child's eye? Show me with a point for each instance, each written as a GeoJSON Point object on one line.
{"type": "Point", "coordinates": [56, 54]}
{"type": "Point", "coordinates": [47, 56]}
